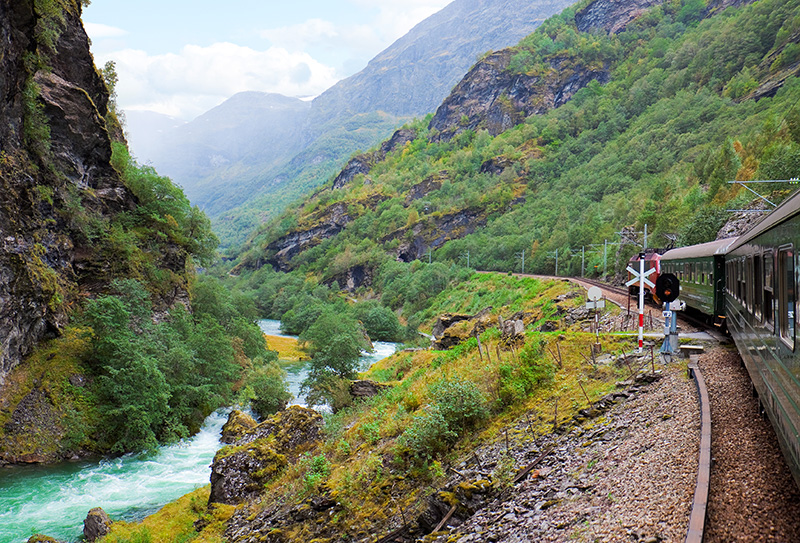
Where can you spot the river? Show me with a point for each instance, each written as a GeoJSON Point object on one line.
{"type": "Point", "coordinates": [54, 500]}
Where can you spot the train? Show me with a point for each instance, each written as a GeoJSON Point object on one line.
{"type": "Point", "coordinates": [749, 285]}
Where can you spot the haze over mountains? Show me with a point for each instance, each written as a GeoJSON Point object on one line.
{"type": "Point", "coordinates": [259, 151]}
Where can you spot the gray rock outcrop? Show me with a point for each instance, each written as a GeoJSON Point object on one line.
{"type": "Point", "coordinates": [96, 525]}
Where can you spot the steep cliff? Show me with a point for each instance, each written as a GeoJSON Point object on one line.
{"type": "Point", "coordinates": [494, 97]}
{"type": "Point", "coordinates": [59, 190]}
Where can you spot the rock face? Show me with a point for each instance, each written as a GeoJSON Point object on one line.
{"type": "Point", "coordinates": [96, 525]}
{"type": "Point", "coordinates": [363, 163]}
{"type": "Point", "coordinates": [43, 264]}
{"type": "Point", "coordinates": [612, 16]}
{"type": "Point", "coordinates": [365, 388]}
{"type": "Point", "coordinates": [326, 224]}
{"type": "Point", "coordinates": [493, 97]}
{"type": "Point", "coordinates": [240, 470]}
{"type": "Point", "coordinates": [237, 426]}
{"type": "Point", "coordinates": [453, 328]}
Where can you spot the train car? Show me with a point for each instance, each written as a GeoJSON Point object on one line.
{"type": "Point", "coordinates": [701, 272]}
{"type": "Point", "coordinates": [652, 259]}
{"type": "Point", "coordinates": [760, 305]}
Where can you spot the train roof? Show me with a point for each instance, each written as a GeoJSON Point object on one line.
{"type": "Point", "coordinates": [786, 210]}
{"type": "Point", "coordinates": [717, 247]}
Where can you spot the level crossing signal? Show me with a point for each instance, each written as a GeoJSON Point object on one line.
{"type": "Point", "coordinates": [667, 287]}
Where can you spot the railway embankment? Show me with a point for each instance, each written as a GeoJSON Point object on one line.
{"type": "Point", "coordinates": [627, 474]}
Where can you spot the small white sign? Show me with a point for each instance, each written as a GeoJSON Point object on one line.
{"type": "Point", "coordinates": [667, 314]}
{"type": "Point", "coordinates": [596, 304]}
{"type": "Point", "coordinates": [594, 293]}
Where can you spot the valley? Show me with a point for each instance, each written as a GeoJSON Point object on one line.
{"type": "Point", "coordinates": [299, 275]}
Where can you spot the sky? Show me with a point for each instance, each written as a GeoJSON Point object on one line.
{"type": "Point", "coordinates": [183, 57]}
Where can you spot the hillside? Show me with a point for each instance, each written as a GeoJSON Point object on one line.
{"type": "Point", "coordinates": [597, 122]}
{"type": "Point", "coordinates": [410, 78]}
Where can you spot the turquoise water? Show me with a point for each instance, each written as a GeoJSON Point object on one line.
{"type": "Point", "coordinates": [298, 371]}
{"type": "Point", "coordinates": [54, 500]}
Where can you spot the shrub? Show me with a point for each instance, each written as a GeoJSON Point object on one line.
{"type": "Point", "coordinates": [457, 405]}
{"type": "Point", "coordinates": [267, 389]}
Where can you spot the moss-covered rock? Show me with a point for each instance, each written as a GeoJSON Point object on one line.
{"type": "Point", "coordinates": [237, 425]}
{"type": "Point", "coordinates": [240, 470]}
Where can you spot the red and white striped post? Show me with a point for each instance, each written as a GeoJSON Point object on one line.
{"type": "Point", "coordinates": [641, 302]}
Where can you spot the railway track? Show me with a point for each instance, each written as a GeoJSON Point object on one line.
{"type": "Point", "coordinates": [697, 520]}
{"type": "Point", "coordinates": [713, 331]}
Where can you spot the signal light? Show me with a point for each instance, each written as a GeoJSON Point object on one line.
{"type": "Point", "coordinates": [667, 287]}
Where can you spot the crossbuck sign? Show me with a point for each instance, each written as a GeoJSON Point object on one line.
{"type": "Point", "coordinates": [641, 277]}
{"type": "Point", "coordinates": [637, 279]}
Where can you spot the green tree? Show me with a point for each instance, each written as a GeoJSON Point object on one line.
{"type": "Point", "coordinates": [267, 389]}
{"type": "Point", "coordinates": [335, 342]}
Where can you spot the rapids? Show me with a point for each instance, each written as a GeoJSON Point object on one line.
{"type": "Point", "coordinates": [54, 500]}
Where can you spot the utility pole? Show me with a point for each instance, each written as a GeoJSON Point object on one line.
{"type": "Point", "coordinates": [556, 255]}
{"type": "Point", "coordinates": [522, 255]}
{"type": "Point", "coordinates": [429, 254]}
{"type": "Point", "coordinates": [583, 259]}
{"type": "Point", "coordinates": [467, 256]}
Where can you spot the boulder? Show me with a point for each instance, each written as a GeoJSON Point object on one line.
{"type": "Point", "coordinates": [39, 538]}
{"type": "Point", "coordinates": [453, 328]}
{"type": "Point", "coordinates": [239, 471]}
{"type": "Point", "coordinates": [96, 525]}
{"type": "Point", "coordinates": [238, 424]}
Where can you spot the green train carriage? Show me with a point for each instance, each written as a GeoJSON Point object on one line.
{"type": "Point", "coordinates": [701, 272]}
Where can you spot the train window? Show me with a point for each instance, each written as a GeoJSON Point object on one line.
{"type": "Point", "coordinates": [748, 281]}
{"type": "Point", "coordinates": [758, 286]}
{"type": "Point", "coordinates": [786, 295]}
{"type": "Point", "coordinates": [729, 277]}
{"type": "Point", "coordinates": [740, 280]}
{"type": "Point", "coordinates": [769, 315]}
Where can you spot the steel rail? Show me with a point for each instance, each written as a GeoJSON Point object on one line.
{"type": "Point", "coordinates": [697, 520]}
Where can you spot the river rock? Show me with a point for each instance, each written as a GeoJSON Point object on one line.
{"type": "Point", "coordinates": [96, 525]}
{"type": "Point", "coordinates": [238, 424]}
{"type": "Point", "coordinates": [39, 538]}
{"type": "Point", "coordinates": [239, 471]}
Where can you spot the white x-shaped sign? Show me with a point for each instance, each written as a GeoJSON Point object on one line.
{"type": "Point", "coordinates": [637, 279]}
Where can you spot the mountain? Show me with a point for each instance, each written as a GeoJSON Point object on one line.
{"type": "Point", "coordinates": [248, 134]}
{"type": "Point", "coordinates": [608, 117]}
{"type": "Point", "coordinates": [410, 78]}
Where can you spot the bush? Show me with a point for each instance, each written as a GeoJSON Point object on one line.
{"type": "Point", "coordinates": [457, 405]}
{"type": "Point", "coordinates": [518, 381]}
{"type": "Point", "coordinates": [267, 389]}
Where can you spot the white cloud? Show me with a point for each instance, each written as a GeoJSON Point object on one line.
{"type": "Point", "coordinates": [100, 31]}
{"type": "Point", "coordinates": [189, 83]}
{"type": "Point", "coordinates": [396, 18]}
{"type": "Point", "coordinates": [361, 41]}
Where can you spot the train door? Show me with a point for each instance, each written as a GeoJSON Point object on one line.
{"type": "Point", "coordinates": [786, 288]}
{"type": "Point", "coordinates": [769, 290]}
